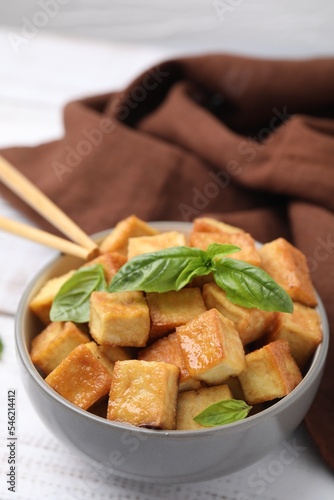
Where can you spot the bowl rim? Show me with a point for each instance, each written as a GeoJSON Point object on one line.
{"type": "Point", "coordinates": [315, 368]}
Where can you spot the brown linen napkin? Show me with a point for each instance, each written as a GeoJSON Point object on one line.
{"type": "Point", "coordinates": [248, 141]}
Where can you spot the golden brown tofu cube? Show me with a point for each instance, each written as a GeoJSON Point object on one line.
{"type": "Point", "coordinates": [288, 267]}
{"type": "Point", "coordinates": [81, 378]}
{"type": "Point", "coordinates": [42, 302]}
{"type": "Point", "coordinates": [248, 252]}
{"type": "Point", "coordinates": [116, 353]}
{"type": "Point", "coordinates": [144, 393]}
{"type": "Point", "coordinates": [131, 227]}
{"type": "Point", "coordinates": [209, 225]}
{"type": "Point", "coordinates": [54, 343]}
{"type": "Point", "coordinates": [211, 348]}
{"type": "Point", "coordinates": [271, 372]}
{"type": "Point", "coordinates": [200, 281]}
{"type": "Point", "coordinates": [111, 263]}
{"type": "Point", "coordinates": [169, 350]}
{"type": "Point", "coordinates": [302, 329]}
{"type": "Point", "coordinates": [171, 309]}
{"type": "Point", "coordinates": [251, 324]}
{"type": "Point", "coordinates": [119, 318]}
{"type": "Point", "coordinates": [191, 403]}
{"type": "Point", "coordinates": [98, 353]}
{"type": "Point", "coordinates": [147, 244]}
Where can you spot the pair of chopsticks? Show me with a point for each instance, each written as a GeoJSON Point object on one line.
{"type": "Point", "coordinates": [83, 247]}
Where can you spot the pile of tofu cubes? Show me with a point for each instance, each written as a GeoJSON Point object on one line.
{"type": "Point", "coordinates": [156, 360]}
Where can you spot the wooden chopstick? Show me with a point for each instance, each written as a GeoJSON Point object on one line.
{"type": "Point", "coordinates": [47, 239]}
{"type": "Point", "coordinates": [21, 186]}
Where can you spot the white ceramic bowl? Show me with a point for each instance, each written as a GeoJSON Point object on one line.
{"type": "Point", "coordinates": [159, 456]}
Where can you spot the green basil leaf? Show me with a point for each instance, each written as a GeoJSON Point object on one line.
{"type": "Point", "coordinates": [161, 271]}
{"type": "Point", "coordinates": [223, 412]}
{"type": "Point", "coordinates": [194, 268]}
{"type": "Point", "coordinates": [73, 299]}
{"type": "Point", "coordinates": [250, 286]}
{"type": "Point", "coordinates": [217, 250]}
{"type": "Point", "coordinates": [1, 348]}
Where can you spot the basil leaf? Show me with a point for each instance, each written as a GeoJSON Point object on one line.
{"type": "Point", "coordinates": [193, 269]}
{"type": "Point", "coordinates": [72, 300]}
{"type": "Point", "coordinates": [1, 348]}
{"type": "Point", "coordinates": [223, 412]}
{"type": "Point", "coordinates": [161, 271]}
{"type": "Point", "coordinates": [217, 250]}
{"type": "Point", "coordinates": [250, 286]}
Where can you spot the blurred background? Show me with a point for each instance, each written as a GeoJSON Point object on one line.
{"type": "Point", "coordinates": [263, 27]}
{"type": "Point", "coordinates": [53, 51]}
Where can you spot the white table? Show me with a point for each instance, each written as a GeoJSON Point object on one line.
{"type": "Point", "coordinates": [34, 85]}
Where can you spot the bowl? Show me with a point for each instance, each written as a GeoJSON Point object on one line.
{"type": "Point", "coordinates": [160, 456]}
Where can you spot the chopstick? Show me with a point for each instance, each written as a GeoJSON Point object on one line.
{"type": "Point", "coordinates": [21, 186]}
{"type": "Point", "coordinates": [47, 239]}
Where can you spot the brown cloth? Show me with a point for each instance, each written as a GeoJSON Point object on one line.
{"type": "Point", "coordinates": [248, 141]}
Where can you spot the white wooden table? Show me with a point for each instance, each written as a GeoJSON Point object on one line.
{"type": "Point", "coordinates": [34, 85]}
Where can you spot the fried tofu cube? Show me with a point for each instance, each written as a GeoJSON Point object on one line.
{"type": "Point", "coordinates": [302, 329]}
{"type": "Point", "coordinates": [248, 252]}
{"type": "Point", "coordinates": [81, 377]}
{"type": "Point", "coordinates": [111, 263]}
{"type": "Point", "coordinates": [98, 353]}
{"type": "Point", "coordinates": [168, 349]}
{"type": "Point", "coordinates": [131, 227]}
{"type": "Point", "coordinates": [271, 373]}
{"type": "Point", "coordinates": [171, 309]}
{"type": "Point", "coordinates": [144, 393]}
{"type": "Point", "coordinates": [116, 353]}
{"type": "Point", "coordinates": [191, 403]}
{"type": "Point", "coordinates": [251, 324]}
{"type": "Point", "coordinates": [42, 302]}
{"type": "Point", "coordinates": [211, 348]}
{"type": "Point", "coordinates": [119, 318]}
{"type": "Point", "coordinates": [54, 343]}
{"type": "Point", "coordinates": [210, 225]}
{"type": "Point", "coordinates": [200, 281]}
{"type": "Point", "coordinates": [288, 267]}
{"type": "Point", "coordinates": [147, 244]}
